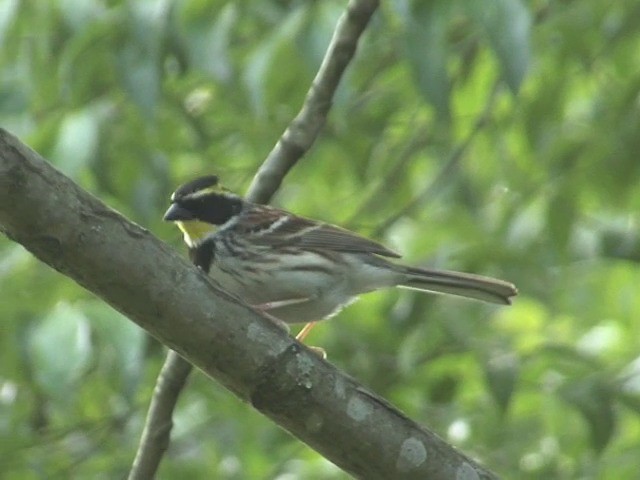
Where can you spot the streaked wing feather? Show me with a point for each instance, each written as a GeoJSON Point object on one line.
{"type": "Point", "coordinates": [335, 238]}
{"type": "Point", "coordinates": [290, 230]}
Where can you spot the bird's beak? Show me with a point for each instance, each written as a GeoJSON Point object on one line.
{"type": "Point", "coordinates": [177, 213]}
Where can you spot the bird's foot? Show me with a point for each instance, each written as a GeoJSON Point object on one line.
{"type": "Point", "coordinates": [321, 352]}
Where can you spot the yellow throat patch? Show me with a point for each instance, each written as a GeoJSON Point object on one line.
{"type": "Point", "coordinates": [195, 231]}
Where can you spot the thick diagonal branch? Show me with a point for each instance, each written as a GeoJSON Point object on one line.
{"type": "Point", "coordinates": [75, 233]}
{"type": "Point", "coordinates": [303, 130]}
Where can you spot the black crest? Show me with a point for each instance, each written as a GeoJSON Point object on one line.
{"type": "Point", "coordinates": [195, 185]}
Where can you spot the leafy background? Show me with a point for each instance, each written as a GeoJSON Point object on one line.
{"type": "Point", "coordinates": [494, 137]}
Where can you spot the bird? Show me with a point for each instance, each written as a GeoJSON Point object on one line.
{"type": "Point", "coordinates": [295, 269]}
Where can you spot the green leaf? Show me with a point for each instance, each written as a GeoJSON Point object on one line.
{"type": "Point", "coordinates": [139, 59]}
{"type": "Point", "coordinates": [13, 97]}
{"type": "Point", "coordinates": [122, 346]}
{"type": "Point", "coordinates": [262, 60]}
{"type": "Point", "coordinates": [426, 48]}
{"type": "Point", "coordinates": [629, 386]}
{"type": "Point", "coordinates": [84, 67]}
{"type": "Point", "coordinates": [561, 214]}
{"type": "Point", "coordinates": [78, 139]}
{"type": "Point", "coordinates": [208, 42]}
{"type": "Point", "coordinates": [316, 34]}
{"type": "Point", "coordinates": [507, 24]}
{"type": "Point", "coordinates": [593, 398]}
{"type": "Point", "coordinates": [8, 10]}
{"type": "Point", "coordinates": [501, 373]}
{"type": "Point", "coordinates": [444, 388]}
{"type": "Point", "coordinates": [60, 350]}
{"type": "Point", "coordinates": [631, 401]}
{"type": "Point", "coordinates": [78, 14]}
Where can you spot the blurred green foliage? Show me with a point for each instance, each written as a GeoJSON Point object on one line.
{"type": "Point", "coordinates": [493, 137]}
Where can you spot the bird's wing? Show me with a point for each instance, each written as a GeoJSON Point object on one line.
{"type": "Point", "coordinates": [270, 226]}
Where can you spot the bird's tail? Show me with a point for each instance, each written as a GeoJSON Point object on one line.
{"type": "Point", "coordinates": [462, 284]}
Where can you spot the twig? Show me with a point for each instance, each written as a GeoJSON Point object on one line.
{"type": "Point", "coordinates": [299, 136]}
{"type": "Point", "coordinates": [158, 424]}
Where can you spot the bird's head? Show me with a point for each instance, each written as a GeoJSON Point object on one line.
{"type": "Point", "coordinates": [199, 207]}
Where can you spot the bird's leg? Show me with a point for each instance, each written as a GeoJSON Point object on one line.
{"type": "Point", "coordinates": [305, 331]}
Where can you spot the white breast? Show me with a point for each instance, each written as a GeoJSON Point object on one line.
{"type": "Point", "coordinates": [325, 285]}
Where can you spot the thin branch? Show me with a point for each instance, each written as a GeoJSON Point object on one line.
{"type": "Point", "coordinates": [145, 279]}
{"type": "Point", "coordinates": [292, 145]}
{"type": "Point", "coordinates": [159, 422]}
{"type": "Point", "coordinates": [306, 126]}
